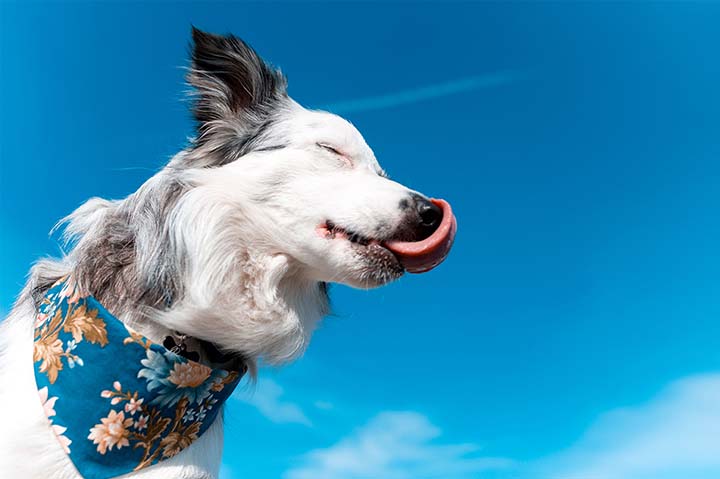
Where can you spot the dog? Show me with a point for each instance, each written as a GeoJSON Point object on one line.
{"type": "Point", "coordinates": [226, 253]}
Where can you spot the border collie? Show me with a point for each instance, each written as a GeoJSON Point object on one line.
{"type": "Point", "coordinates": [228, 249]}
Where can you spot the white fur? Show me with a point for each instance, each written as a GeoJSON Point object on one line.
{"type": "Point", "coordinates": [253, 260]}
{"type": "Point", "coordinates": [229, 243]}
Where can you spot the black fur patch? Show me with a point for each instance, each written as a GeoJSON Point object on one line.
{"type": "Point", "coordinates": [237, 92]}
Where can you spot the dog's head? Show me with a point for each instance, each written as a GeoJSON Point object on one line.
{"type": "Point", "coordinates": [234, 241]}
{"type": "Point", "coordinates": [309, 186]}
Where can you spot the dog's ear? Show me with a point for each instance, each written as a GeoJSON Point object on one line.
{"type": "Point", "coordinates": [235, 88]}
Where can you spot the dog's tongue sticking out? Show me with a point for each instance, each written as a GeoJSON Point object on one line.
{"type": "Point", "coordinates": [422, 256]}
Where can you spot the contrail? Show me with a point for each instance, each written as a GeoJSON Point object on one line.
{"type": "Point", "coordinates": [422, 93]}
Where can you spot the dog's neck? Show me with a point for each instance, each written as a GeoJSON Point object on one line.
{"type": "Point", "coordinates": [265, 310]}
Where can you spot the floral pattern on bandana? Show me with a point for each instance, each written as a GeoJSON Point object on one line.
{"type": "Point", "coordinates": [124, 402]}
{"type": "Point", "coordinates": [48, 404]}
{"type": "Point", "coordinates": [75, 318]}
{"type": "Point", "coordinates": [173, 380]}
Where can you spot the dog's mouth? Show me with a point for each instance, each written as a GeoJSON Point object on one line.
{"type": "Point", "coordinates": [332, 231]}
{"type": "Point", "coordinates": [412, 256]}
{"type": "Point", "coordinates": [378, 265]}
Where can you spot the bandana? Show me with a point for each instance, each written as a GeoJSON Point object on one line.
{"type": "Point", "coordinates": [116, 401]}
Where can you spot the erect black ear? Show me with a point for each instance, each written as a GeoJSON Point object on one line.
{"type": "Point", "coordinates": [231, 80]}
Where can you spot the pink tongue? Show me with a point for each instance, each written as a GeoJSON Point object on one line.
{"type": "Point", "coordinates": [422, 256]}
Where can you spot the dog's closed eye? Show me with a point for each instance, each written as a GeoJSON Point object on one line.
{"type": "Point", "coordinates": [346, 159]}
{"type": "Point", "coordinates": [329, 148]}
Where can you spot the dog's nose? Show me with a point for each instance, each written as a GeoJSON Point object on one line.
{"type": "Point", "coordinates": [429, 214]}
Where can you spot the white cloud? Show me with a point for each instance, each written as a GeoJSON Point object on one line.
{"type": "Point", "coordinates": [395, 445]}
{"type": "Point", "coordinates": [267, 398]}
{"type": "Point", "coordinates": [676, 435]}
{"type": "Point", "coordinates": [324, 405]}
{"type": "Point", "coordinates": [419, 94]}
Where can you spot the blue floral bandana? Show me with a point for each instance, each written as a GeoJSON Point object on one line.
{"type": "Point", "coordinates": [117, 402]}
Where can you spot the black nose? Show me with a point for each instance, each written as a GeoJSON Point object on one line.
{"type": "Point", "coordinates": [429, 214]}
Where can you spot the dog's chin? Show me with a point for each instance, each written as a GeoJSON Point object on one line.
{"type": "Point", "coordinates": [373, 266]}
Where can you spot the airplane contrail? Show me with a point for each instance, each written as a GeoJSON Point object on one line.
{"type": "Point", "coordinates": [422, 93]}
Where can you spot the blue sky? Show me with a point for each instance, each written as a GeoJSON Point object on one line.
{"type": "Point", "coordinates": [572, 334]}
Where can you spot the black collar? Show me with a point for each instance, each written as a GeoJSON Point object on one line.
{"type": "Point", "coordinates": [178, 344]}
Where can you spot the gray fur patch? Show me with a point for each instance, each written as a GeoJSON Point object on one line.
{"type": "Point", "coordinates": [129, 260]}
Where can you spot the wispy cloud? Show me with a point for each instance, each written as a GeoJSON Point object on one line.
{"type": "Point", "coordinates": [675, 435]}
{"type": "Point", "coordinates": [324, 405]}
{"type": "Point", "coordinates": [428, 92]}
{"type": "Point", "coordinates": [268, 399]}
{"type": "Point", "coordinates": [395, 445]}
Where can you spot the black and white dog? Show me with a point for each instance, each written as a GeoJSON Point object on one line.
{"type": "Point", "coordinates": [231, 244]}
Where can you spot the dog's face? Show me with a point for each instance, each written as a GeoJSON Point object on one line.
{"type": "Point", "coordinates": [323, 200]}
{"type": "Point", "coordinates": [308, 185]}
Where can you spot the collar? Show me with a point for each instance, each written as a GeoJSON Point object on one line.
{"type": "Point", "coordinates": [116, 401]}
